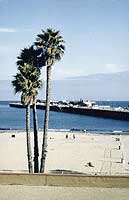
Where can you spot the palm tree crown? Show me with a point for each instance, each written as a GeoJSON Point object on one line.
{"type": "Point", "coordinates": [50, 46]}
{"type": "Point", "coordinates": [27, 82]}
{"type": "Point", "coordinates": [29, 56]}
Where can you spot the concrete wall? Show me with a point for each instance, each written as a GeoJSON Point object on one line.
{"type": "Point", "coordinates": [64, 180]}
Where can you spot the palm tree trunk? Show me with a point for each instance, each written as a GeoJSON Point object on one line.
{"type": "Point", "coordinates": [46, 120]}
{"type": "Point", "coordinates": [36, 150]}
{"type": "Point", "coordinates": [29, 152]}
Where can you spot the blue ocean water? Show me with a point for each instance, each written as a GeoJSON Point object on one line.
{"type": "Point", "coordinates": [14, 118]}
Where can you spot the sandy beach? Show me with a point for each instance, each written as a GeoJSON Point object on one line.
{"type": "Point", "coordinates": [87, 153]}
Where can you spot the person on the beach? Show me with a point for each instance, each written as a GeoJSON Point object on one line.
{"type": "Point", "coordinates": [66, 136]}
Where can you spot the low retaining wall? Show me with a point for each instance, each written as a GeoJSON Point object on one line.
{"type": "Point", "coordinates": [64, 180]}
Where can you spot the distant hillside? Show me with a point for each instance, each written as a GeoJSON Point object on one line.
{"type": "Point", "coordinates": [113, 86]}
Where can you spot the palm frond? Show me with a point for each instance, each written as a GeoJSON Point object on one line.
{"type": "Point", "coordinates": [51, 45]}
{"type": "Point", "coordinates": [27, 80]}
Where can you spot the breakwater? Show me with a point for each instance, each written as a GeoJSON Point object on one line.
{"type": "Point", "coordinates": [103, 113]}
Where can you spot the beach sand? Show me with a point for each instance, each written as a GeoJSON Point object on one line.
{"type": "Point", "coordinates": [87, 153]}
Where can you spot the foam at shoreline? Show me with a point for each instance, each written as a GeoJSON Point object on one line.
{"type": "Point", "coordinates": [115, 132]}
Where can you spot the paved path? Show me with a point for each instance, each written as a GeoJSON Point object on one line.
{"type": "Point", "coordinates": [17, 192]}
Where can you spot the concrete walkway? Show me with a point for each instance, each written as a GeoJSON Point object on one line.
{"type": "Point", "coordinates": [17, 192]}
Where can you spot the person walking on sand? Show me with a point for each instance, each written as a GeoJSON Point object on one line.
{"type": "Point", "coordinates": [73, 136]}
{"type": "Point", "coordinates": [66, 136]}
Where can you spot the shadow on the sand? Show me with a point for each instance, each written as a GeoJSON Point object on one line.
{"type": "Point", "coordinates": [63, 171]}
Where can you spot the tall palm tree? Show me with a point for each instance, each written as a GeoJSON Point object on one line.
{"type": "Point", "coordinates": [27, 82]}
{"type": "Point", "coordinates": [30, 56]}
{"type": "Point", "coordinates": [36, 148]}
{"type": "Point", "coordinates": [51, 48]}
{"type": "Point", "coordinates": [21, 85]}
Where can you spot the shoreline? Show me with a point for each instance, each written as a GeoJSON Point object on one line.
{"type": "Point", "coordinates": [76, 131]}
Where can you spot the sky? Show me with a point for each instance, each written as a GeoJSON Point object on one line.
{"type": "Point", "coordinates": [96, 34]}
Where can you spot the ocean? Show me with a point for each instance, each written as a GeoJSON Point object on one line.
{"type": "Point", "coordinates": [14, 119]}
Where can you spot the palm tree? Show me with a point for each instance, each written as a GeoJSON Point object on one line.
{"type": "Point", "coordinates": [21, 85]}
{"type": "Point", "coordinates": [51, 48]}
{"type": "Point", "coordinates": [27, 82]}
{"type": "Point", "coordinates": [30, 56]}
{"type": "Point", "coordinates": [36, 148]}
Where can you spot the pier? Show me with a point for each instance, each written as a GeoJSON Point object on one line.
{"type": "Point", "coordinates": [82, 110]}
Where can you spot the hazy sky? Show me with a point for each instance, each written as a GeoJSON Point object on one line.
{"type": "Point", "coordinates": [96, 34]}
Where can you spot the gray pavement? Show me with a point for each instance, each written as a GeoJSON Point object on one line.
{"type": "Point", "coordinates": [20, 192]}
